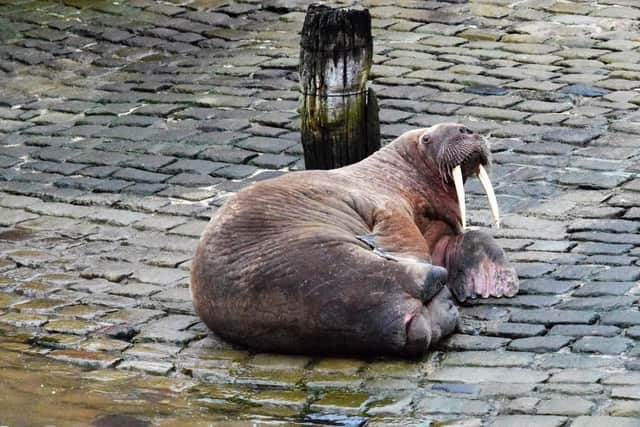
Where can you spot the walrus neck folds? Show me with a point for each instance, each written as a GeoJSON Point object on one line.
{"type": "Point", "coordinates": [399, 169]}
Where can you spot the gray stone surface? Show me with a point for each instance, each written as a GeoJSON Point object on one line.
{"type": "Point", "coordinates": [540, 344]}
{"type": "Point", "coordinates": [582, 330]}
{"type": "Point", "coordinates": [596, 421]}
{"type": "Point", "coordinates": [528, 420]}
{"type": "Point", "coordinates": [490, 375]}
{"type": "Point", "coordinates": [440, 405]}
{"type": "Point", "coordinates": [602, 345]}
{"type": "Point", "coordinates": [566, 405]}
{"type": "Point", "coordinates": [124, 125]}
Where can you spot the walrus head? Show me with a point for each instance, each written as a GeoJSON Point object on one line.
{"type": "Point", "coordinates": [456, 153]}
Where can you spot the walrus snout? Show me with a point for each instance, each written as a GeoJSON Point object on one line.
{"type": "Point", "coordinates": [464, 148]}
{"type": "Point", "coordinates": [474, 152]}
{"type": "Point", "coordinates": [471, 165]}
{"type": "Point", "coordinates": [460, 154]}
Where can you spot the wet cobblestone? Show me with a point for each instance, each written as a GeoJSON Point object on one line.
{"type": "Point", "coordinates": [123, 126]}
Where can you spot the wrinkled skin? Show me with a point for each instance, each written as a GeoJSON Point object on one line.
{"type": "Point", "coordinates": [357, 260]}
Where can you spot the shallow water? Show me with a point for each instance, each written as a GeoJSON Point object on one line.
{"type": "Point", "coordinates": [37, 391]}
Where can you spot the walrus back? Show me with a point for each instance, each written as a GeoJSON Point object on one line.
{"type": "Point", "coordinates": [255, 254]}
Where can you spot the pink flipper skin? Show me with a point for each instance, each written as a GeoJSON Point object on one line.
{"type": "Point", "coordinates": [491, 279]}
{"type": "Point", "coordinates": [478, 267]}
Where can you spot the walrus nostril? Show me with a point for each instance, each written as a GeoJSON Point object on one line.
{"type": "Point", "coordinates": [465, 130]}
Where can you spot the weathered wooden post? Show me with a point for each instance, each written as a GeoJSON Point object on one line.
{"type": "Point", "coordinates": [339, 115]}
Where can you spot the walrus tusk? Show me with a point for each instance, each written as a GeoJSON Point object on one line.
{"type": "Point", "coordinates": [491, 195]}
{"type": "Point", "coordinates": [459, 184]}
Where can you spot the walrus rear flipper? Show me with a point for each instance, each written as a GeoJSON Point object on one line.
{"type": "Point", "coordinates": [435, 321]}
{"type": "Point", "coordinates": [478, 267]}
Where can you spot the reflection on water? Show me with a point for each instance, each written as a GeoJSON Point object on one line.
{"type": "Point", "coordinates": [37, 391]}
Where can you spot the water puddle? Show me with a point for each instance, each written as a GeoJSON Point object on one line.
{"type": "Point", "coordinates": [36, 390]}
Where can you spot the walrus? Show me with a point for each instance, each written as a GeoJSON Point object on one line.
{"type": "Point", "coordinates": [360, 260]}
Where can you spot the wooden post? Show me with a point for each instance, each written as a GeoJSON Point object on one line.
{"type": "Point", "coordinates": [339, 115]}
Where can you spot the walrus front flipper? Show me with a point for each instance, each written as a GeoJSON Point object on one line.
{"type": "Point", "coordinates": [396, 233]}
{"type": "Point", "coordinates": [396, 238]}
{"type": "Point", "coordinates": [478, 267]}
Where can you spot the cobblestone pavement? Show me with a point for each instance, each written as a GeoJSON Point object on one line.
{"type": "Point", "coordinates": [123, 126]}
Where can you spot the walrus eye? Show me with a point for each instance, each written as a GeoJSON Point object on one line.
{"type": "Point", "coordinates": [425, 139]}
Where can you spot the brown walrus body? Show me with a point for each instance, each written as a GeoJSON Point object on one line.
{"type": "Point", "coordinates": [342, 261]}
